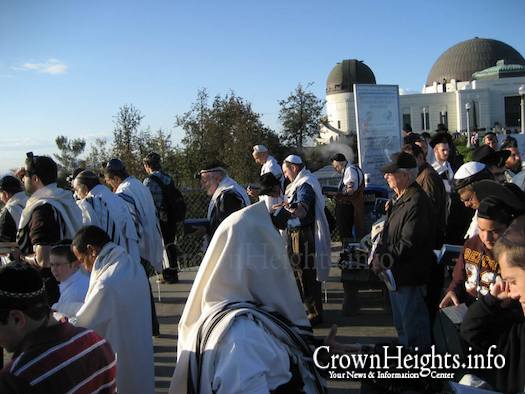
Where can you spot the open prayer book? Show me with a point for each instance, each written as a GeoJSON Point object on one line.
{"type": "Point", "coordinates": [456, 314]}
{"type": "Point", "coordinates": [448, 253]}
{"type": "Point", "coordinates": [386, 276]}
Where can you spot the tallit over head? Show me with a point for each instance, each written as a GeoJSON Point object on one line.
{"type": "Point", "coordinates": [246, 261]}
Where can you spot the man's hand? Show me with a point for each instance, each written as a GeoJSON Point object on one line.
{"type": "Point", "coordinates": [296, 211]}
{"type": "Point", "coordinates": [449, 300]}
{"type": "Point", "coordinates": [501, 290]}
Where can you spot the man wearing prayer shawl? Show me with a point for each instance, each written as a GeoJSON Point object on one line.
{"type": "Point", "coordinates": [49, 216]}
{"type": "Point", "coordinates": [117, 308]}
{"type": "Point", "coordinates": [244, 328]}
{"type": "Point", "coordinates": [142, 208]}
{"type": "Point", "coordinates": [144, 214]}
{"type": "Point", "coordinates": [100, 207]}
{"type": "Point", "coordinates": [13, 197]}
{"type": "Point", "coordinates": [308, 234]}
{"type": "Point", "coordinates": [227, 196]}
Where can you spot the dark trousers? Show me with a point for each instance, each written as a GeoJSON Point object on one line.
{"type": "Point", "coordinates": [168, 235]}
{"type": "Point", "coordinates": [344, 216]}
{"type": "Point", "coordinates": [154, 320]}
{"type": "Point", "coordinates": [302, 257]}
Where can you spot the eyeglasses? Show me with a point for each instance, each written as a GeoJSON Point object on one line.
{"type": "Point", "coordinates": [469, 199]}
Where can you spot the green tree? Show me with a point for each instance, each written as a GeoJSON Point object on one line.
{"type": "Point", "coordinates": [300, 116]}
{"type": "Point", "coordinates": [224, 131]}
{"type": "Point", "coordinates": [99, 154]}
{"type": "Point", "coordinates": [69, 152]}
{"type": "Point", "coordinates": [128, 140]}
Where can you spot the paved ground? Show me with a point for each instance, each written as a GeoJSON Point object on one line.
{"type": "Point", "coordinates": [373, 324]}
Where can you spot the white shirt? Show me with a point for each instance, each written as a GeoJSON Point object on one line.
{"type": "Point", "coordinates": [440, 169]}
{"type": "Point", "coordinates": [353, 177]}
{"type": "Point", "coordinates": [72, 293]}
{"type": "Point", "coordinates": [473, 228]}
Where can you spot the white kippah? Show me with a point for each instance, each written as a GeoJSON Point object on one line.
{"type": "Point", "coordinates": [260, 149]}
{"type": "Point", "coordinates": [469, 169]}
{"type": "Point", "coordinates": [294, 159]}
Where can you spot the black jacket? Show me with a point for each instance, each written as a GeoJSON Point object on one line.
{"type": "Point", "coordinates": [487, 323]}
{"type": "Point", "coordinates": [408, 237]}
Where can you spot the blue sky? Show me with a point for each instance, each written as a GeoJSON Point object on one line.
{"type": "Point", "coordinates": [67, 66]}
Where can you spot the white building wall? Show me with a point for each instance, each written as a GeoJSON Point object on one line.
{"type": "Point", "coordinates": [488, 94]}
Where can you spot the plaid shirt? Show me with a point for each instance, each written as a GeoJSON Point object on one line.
{"type": "Point", "coordinates": [156, 191]}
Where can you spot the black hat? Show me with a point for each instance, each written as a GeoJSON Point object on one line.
{"type": "Point", "coordinates": [10, 184]}
{"type": "Point", "coordinates": [489, 188]}
{"type": "Point", "coordinates": [21, 287]}
{"type": "Point", "coordinates": [440, 138]}
{"type": "Point", "coordinates": [338, 157]}
{"type": "Point", "coordinates": [495, 208]}
{"type": "Point", "coordinates": [268, 181]}
{"type": "Point", "coordinates": [400, 160]}
{"type": "Point", "coordinates": [486, 155]}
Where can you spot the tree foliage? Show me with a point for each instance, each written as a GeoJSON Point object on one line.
{"type": "Point", "coordinates": [300, 116]}
{"type": "Point", "coordinates": [69, 152]}
{"type": "Point", "coordinates": [224, 131]}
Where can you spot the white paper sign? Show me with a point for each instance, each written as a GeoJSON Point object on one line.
{"type": "Point", "coordinates": [378, 127]}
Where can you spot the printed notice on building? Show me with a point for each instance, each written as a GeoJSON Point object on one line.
{"type": "Point", "coordinates": [378, 127]}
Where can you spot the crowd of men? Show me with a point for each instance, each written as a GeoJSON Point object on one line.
{"type": "Point", "coordinates": [78, 302]}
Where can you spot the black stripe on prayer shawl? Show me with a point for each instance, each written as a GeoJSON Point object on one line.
{"type": "Point", "coordinates": [134, 213]}
{"type": "Point", "coordinates": [60, 222]}
{"type": "Point", "coordinates": [303, 341]}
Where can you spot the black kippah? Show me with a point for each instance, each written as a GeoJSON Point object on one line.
{"type": "Point", "coordinates": [21, 287]}
{"type": "Point", "coordinates": [493, 208]}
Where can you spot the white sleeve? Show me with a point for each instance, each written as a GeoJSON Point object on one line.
{"type": "Point", "coordinates": [351, 178]}
{"type": "Point", "coordinates": [249, 360]}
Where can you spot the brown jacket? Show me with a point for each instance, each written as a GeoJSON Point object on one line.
{"type": "Point", "coordinates": [431, 183]}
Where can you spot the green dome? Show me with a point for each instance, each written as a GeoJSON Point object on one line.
{"type": "Point", "coordinates": [343, 76]}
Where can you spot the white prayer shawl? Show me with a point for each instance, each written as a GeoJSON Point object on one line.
{"type": "Point", "coordinates": [272, 166]}
{"type": "Point", "coordinates": [322, 231]}
{"type": "Point", "coordinates": [106, 210]}
{"type": "Point", "coordinates": [225, 184]}
{"type": "Point", "coordinates": [63, 201]}
{"type": "Point", "coordinates": [72, 293]}
{"type": "Point", "coordinates": [246, 261]}
{"type": "Point", "coordinates": [117, 307]}
{"type": "Point", "coordinates": [519, 179]}
{"type": "Point", "coordinates": [15, 205]}
{"type": "Point", "coordinates": [142, 208]}
{"type": "Point", "coordinates": [473, 228]}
